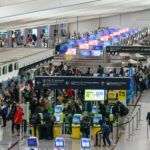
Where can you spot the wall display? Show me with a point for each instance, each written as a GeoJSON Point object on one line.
{"type": "Point", "coordinates": [93, 42]}
{"type": "Point", "coordinates": [122, 95]}
{"type": "Point", "coordinates": [85, 53]}
{"type": "Point", "coordinates": [112, 94]}
{"type": "Point", "coordinates": [98, 47]}
{"type": "Point", "coordinates": [94, 95]}
{"type": "Point", "coordinates": [71, 51]}
{"type": "Point", "coordinates": [84, 46]}
{"type": "Point", "coordinates": [79, 42]}
{"type": "Point", "coordinates": [97, 53]}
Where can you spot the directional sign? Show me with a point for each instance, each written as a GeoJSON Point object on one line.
{"type": "Point", "coordinates": [64, 82]}
{"type": "Point", "coordinates": [128, 49]}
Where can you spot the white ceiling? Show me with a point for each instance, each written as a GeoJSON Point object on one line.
{"type": "Point", "coordinates": [12, 2]}
{"type": "Point", "coordinates": [26, 13]}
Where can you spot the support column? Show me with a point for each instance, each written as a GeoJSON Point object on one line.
{"type": "Point", "coordinates": [24, 31]}
{"type": "Point", "coordinates": [10, 39]}
{"type": "Point", "coordinates": [39, 30]}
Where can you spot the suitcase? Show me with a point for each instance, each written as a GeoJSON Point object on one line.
{"type": "Point", "coordinates": [97, 139]}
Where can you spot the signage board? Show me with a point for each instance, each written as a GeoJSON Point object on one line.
{"type": "Point", "coordinates": [94, 95]}
{"type": "Point", "coordinates": [128, 49]}
{"type": "Point", "coordinates": [74, 82]}
{"type": "Point", "coordinates": [122, 95]}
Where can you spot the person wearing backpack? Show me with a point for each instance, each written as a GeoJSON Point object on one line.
{"type": "Point", "coordinates": [47, 120]}
{"type": "Point", "coordinates": [85, 127]}
{"type": "Point", "coordinates": [26, 95]}
{"type": "Point", "coordinates": [11, 115]}
{"type": "Point", "coordinates": [4, 112]}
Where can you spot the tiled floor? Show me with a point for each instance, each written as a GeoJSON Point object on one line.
{"type": "Point", "coordinates": [138, 141]}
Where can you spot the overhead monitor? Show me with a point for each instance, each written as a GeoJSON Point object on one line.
{"type": "Point", "coordinates": [97, 53]}
{"type": "Point", "coordinates": [94, 95]}
{"type": "Point", "coordinates": [98, 47]}
{"type": "Point", "coordinates": [72, 42]}
{"type": "Point", "coordinates": [93, 42]}
{"type": "Point", "coordinates": [59, 143]}
{"type": "Point", "coordinates": [79, 41]}
{"type": "Point", "coordinates": [92, 37]}
{"type": "Point", "coordinates": [84, 46]}
{"type": "Point", "coordinates": [85, 143]}
{"type": "Point", "coordinates": [85, 53]}
{"type": "Point", "coordinates": [107, 43]}
{"type": "Point", "coordinates": [85, 38]}
{"type": "Point", "coordinates": [71, 51]}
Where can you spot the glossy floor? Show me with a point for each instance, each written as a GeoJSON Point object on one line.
{"type": "Point", "coordinates": [138, 141]}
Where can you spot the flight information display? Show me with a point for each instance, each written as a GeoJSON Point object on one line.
{"type": "Point", "coordinates": [94, 95]}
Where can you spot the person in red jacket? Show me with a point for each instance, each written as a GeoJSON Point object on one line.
{"type": "Point", "coordinates": [18, 118]}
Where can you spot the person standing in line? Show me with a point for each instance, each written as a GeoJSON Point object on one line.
{"type": "Point", "coordinates": [4, 112]}
{"type": "Point", "coordinates": [106, 133]}
{"type": "Point", "coordinates": [18, 118]}
{"type": "Point", "coordinates": [12, 112]}
{"type": "Point", "coordinates": [148, 118]}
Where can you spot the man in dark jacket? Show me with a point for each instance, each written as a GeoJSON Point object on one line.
{"type": "Point", "coordinates": [4, 111]}
{"type": "Point", "coordinates": [106, 132]}
{"type": "Point", "coordinates": [148, 118]}
{"type": "Point", "coordinates": [12, 113]}
{"type": "Point", "coordinates": [85, 127]}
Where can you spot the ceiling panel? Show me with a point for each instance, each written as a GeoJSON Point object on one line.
{"type": "Point", "coordinates": [13, 2]}
{"type": "Point", "coordinates": [65, 9]}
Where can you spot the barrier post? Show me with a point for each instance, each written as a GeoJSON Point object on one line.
{"type": "Point", "coordinates": [132, 125]}
{"type": "Point", "coordinates": [137, 120]}
{"type": "Point", "coordinates": [117, 130]}
{"type": "Point", "coordinates": [147, 130]}
{"type": "Point", "coordinates": [114, 132]}
{"type": "Point", "coordinates": [90, 133]}
{"type": "Point", "coordinates": [129, 131]}
{"type": "Point", "coordinates": [139, 115]}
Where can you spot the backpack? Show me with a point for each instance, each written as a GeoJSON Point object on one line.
{"type": "Point", "coordinates": [27, 95]}
{"type": "Point", "coordinates": [4, 110]}
{"type": "Point", "coordinates": [123, 110]}
{"type": "Point", "coordinates": [34, 119]}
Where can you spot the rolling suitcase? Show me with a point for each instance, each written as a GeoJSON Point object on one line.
{"type": "Point", "coordinates": [97, 139]}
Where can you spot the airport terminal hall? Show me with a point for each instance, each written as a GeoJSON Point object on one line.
{"type": "Point", "coordinates": [74, 74]}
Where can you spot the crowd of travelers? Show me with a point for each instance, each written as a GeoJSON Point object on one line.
{"type": "Point", "coordinates": [16, 94]}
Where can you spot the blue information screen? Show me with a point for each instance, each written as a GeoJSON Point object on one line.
{"type": "Point", "coordinates": [59, 142]}
{"type": "Point", "coordinates": [85, 143]}
{"type": "Point", "coordinates": [32, 142]}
